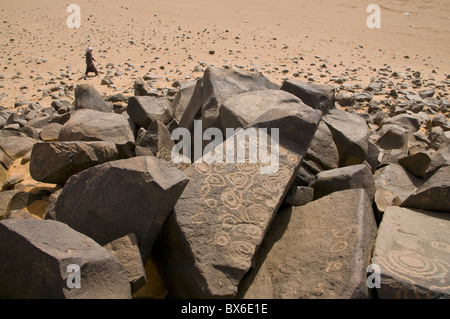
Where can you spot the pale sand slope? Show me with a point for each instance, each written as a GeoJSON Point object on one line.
{"type": "Point", "coordinates": [269, 36]}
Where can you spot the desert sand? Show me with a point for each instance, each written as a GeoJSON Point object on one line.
{"type": "Point", "coordinates": [176, 40]}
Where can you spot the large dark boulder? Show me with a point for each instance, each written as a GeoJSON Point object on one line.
{"type": "Point", "coordinates": [114, 199]}
{"type": "Point", "coordinates": [38, 259]}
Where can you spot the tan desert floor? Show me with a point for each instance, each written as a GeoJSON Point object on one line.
{"type": "Point", "coordinates": [168, 39]}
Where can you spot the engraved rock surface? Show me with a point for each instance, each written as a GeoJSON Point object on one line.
{"type": "Point", "coordinates": [208, 242]}
{"type": "Point", "coordinates": [111, 200]}
{"type": "Point", "coordinates": [36, 255]}
{"type": "Point", "coordinates": [320, 250]}
{"type": "Point", "coordinates": [412, 250]}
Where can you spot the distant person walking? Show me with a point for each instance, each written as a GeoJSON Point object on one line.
{"type": "Point", "coordinates": [90, 67]}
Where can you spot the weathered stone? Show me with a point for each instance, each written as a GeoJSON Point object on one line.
{"type": "Point", "coordinates": [242, 109]}
{"type": "Point", "coordinates": [36, 260]}
{"type": "Point", "coordinates": [16, 146]}
{"type": "Point", "coordinates": [50, 209]}
{"type": "Point", "coordinates": [87, 97]}
{"type": "Point", "coordinates": [411, 250]}
{"type": "Point", "coordinates": [90, 125]}
{"type": "Point", "coordinates": [417, 164]}
{"type": "Point", "coordinates": [396, 180]}
{"type": "Point", "coordinates": [373, 156]}
{"type": "Point", "coordinates": [320, 97]}
{"type": "Point", "coordinates": [320, 250]}
{"type": "Point", "coordinates": [157, 141]}
{"type": "Point", "coordinates": [55, 162]}
{"type": "Point", "coordinates": [194, 108]}
{"type": "Point", "coordinates": [434, 194]}
{"type": "Point", "coordinates": [299, 195]}
{"type": "Point", "coordinates": [20, 214]}
{"type": "Point", "coordinates": [15, 200]}
{"type": "Point", "coordinates": [5, 160]}
{"type": "Point", "coordinates": [183, 98]}
{"type": "Point", "coordinates": [323, 150]}
{"type": "Point", "coordinates": [350, 134]}
{"type": "Point", "coordinates": [208, 242]}
{"type": "Point", "coordinates": [141, 88]}
{"type": "Point", "coordinates": [349, 177]}
{"type": "Point", "coordinates": [407, 121]}
{"type": "Point", "coordinates": [220, 84]}
{"type": "Point", "coordinates": [126, 250]}
{"type": "Point", "coordinates": [143, 110]}
{"type": "Point", "coordinates": [117, 198]}
{"type": "Point", "coordinates": [394, 137]}
{"type": "Point", "coordinates": [440, 158]}
{"type": "Point", "coordinates": [50, 132]}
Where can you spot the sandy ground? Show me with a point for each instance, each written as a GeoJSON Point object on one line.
{"type": "Point", "coordinates": [169, 39]}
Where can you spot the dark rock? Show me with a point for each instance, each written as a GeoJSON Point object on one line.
{"type": "Point", "coordinates": [320, 97]}
{"type": "Point", "coordinates": [393, 185]}
{"type": "Point", "coordinates": [208, 242]}
{"type": "Point", "coordinates": [417, 164]}
{"type": "Point", "coordinates": [320, 250]}
{"type": "Point", "coordinates": [55, 162]}
{"type": "Point", "coordinates": [126, 250]}
{"type": "Point", "coordinates": [434, 194]}
{"type": "Point", "coordinates": [349, 177]}
{"type": "Point", "coordinates": [144, 192]}
{"type": "Point", "coordinates": [87, 97]}
{"type": "Point", "coordinates": [411, 250]}
{"type": "Point", "coordinates": [242, 109]}
{"type": "Point", "coordinates": [182, 98]}
{"type": "Point", "coordinates": [16, 146]}
{"type": "Point", "coordinates": [350, 134]}
{"type": "Point", "coordinates": [220, 84]}
{"type": "Point", "coordinates": [90, 125]}
{"type": "Point", "coordinates": [36, 255]}
{"type": "Point", "coordinates": [145, 109]}
{"type": "Point", "coordinates": [50, 132]}
{"type": "Point", "coordinates": [156, 141]}
{"type": "Point", "coordinates": [299, 196]}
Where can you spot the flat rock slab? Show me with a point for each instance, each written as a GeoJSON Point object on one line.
{"type": "Point", "coordinates": [320, 250]}
{"type": "Point", "coordinates": [55, 162]}
{"type": "Point", "coordinates": [243, 109]}
{"type": "Point", "coordinates": [91, 125]}
{"type": "Point", "coordinates": [219, 84]}
{"type": "Point", "coordinates": [412, 251]}
{"type": "Point", "coordinates": [317, 96]}
{"type": "Point", "coordinates": [209, 240]}
{"type": "Point", "coordinates": [111, 200]}
{"type": "Point", "coordinates": [36, 255]}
